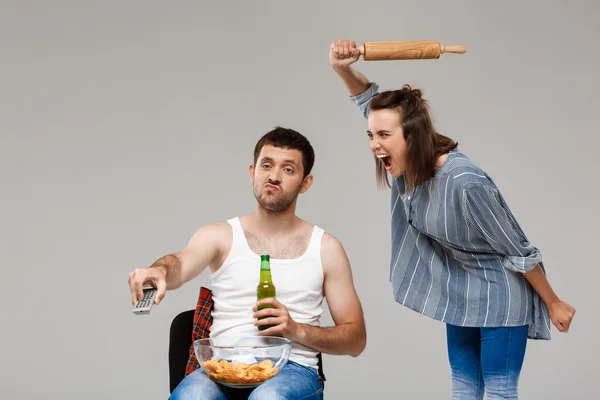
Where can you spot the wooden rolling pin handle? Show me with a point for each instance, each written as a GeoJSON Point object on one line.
{"type": "Point", "coordinates": [458, 49]}
{"type": "Point", "coordinates": [423, 49]}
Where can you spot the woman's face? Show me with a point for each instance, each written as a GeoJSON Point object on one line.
{"type": "Point", "coordinates": [386, 139]}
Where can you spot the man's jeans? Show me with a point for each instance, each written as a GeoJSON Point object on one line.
{"type": "Point", "coordinates": [486, 359]}
{"type": "Point", "coordinates": [294, 381]}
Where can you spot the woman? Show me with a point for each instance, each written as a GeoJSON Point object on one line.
{"type": "Point", "coordinates": [458, 254]}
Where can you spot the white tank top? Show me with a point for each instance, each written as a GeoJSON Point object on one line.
{"type": "Point", "coordinates": [298, 283]}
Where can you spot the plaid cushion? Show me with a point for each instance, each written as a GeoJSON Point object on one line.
{"type": "Point", "coordinates": [202, 323]}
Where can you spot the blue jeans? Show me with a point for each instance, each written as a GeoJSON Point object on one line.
{"type": "Point", "coordinates": [486, 359]}
{"type": "Point", "coordinates": [293, 382]}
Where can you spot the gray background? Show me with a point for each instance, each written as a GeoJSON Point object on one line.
{"type": "Point", "coordinates": [127, 125]}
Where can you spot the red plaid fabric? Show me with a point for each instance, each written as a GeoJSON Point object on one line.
{"type": "Point", "coordinates": [202, 323]}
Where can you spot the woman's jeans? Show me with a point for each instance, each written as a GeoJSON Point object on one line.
{"type": "Point", "coordinates": [486, 360]}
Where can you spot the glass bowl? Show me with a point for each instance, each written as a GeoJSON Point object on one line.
{"type": "Point", "coordinates": [242, 361]}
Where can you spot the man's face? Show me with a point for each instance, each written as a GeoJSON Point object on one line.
{"type": "Point", "coordinates": [277, 178]}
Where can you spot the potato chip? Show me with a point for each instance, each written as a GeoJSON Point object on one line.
{"type": "Point", "coordinates": [240, 372]}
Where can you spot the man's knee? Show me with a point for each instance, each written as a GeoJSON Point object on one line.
{"type": "Point", "coordinates": [294, 382]}
{"type": "Point", "coordinates": [197, 386]}
{"type": "Point", "coordinates": [266, 392]}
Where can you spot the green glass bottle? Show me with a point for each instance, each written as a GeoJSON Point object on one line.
{"type": "Point", "coordinates": [266, 288]}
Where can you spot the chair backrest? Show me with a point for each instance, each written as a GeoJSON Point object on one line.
{"type": "Point", "coordinates": [189, 326]}
{"type": "Point", "coordinates": [180, 340]}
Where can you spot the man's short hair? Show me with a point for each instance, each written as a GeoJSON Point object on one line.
{"type": "Point", "coordinates": [288, 139]}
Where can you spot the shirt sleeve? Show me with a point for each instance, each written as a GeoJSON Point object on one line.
{"type": "Point", "coordinates": [363, 99]}
{"type": "Point", "coordinates": [487, 212]}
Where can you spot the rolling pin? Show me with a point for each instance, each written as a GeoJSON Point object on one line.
{"type": "Point", "coordinates": [413, 50]}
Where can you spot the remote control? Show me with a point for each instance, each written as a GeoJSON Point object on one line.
{"type": "Point", "coordinates": [144, 306]}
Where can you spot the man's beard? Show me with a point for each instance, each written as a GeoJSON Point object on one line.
{"type": "Point", "coordinates": [280, 203]}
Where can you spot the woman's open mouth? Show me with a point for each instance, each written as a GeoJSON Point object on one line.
{"type": "Point", "coordinates": [386, 160]}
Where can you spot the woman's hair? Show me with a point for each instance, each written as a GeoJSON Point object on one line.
{"type": "Point", "coordinates": [424, 144]}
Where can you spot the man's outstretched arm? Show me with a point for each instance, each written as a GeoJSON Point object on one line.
{"type": "Point", "coordinates": [173, 270]}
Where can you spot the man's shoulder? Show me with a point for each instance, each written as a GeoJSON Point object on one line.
{"type": "Point", "coordinates": [330, 239]}
{"type": "Point", "coordinates": [220, 232]}
{"type": "Point", "coordinates": [327, 239]}
{"type": "Point", "coordinates": [331, 246]}
{"type": "Point", "coordinates": [220, 226]}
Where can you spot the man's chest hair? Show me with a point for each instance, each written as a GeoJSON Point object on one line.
{"type": "Point", "coordinates": [280, 246]}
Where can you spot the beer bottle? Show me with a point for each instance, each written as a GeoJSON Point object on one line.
{"type": "Point", "coordinates": [265, 288]}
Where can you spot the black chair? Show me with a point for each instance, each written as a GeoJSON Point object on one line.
{"type": "Point", "coordinates": [180, 340]}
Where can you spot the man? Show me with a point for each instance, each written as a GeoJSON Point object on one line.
{"type": "Point", "coordinates": [307, 265]}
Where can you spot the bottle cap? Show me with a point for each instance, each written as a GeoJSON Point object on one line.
{"type": "Point", "coordinates": [264, 257]}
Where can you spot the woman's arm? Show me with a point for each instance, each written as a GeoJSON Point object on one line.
{"type": "Point", "coordinates": [560, 312]}
{"type": "Point", "coordinates": [487, 213]}
{"type": "Point", "coordinates": [342, 54]}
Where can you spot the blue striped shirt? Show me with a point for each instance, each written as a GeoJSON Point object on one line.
{"type": "Point", "coordinates": [458, 253]}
